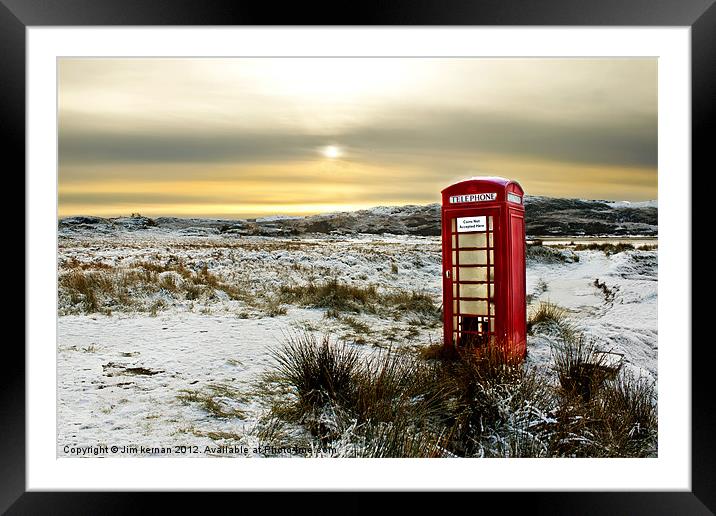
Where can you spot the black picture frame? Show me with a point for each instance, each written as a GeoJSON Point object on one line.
{"type": "Point", "coordinates": [699, 15]}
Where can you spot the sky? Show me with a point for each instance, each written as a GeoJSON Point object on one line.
{"type": "Point", "coordinates": [242, 137]}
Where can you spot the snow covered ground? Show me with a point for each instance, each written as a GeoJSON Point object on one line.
{"type": "Point", "coordinates": [621, 316]}
{"type": "Point", "coordinates": [126, 379]}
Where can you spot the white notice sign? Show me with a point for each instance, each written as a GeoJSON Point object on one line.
{"type": "Point", "coordinates": [467, 224]}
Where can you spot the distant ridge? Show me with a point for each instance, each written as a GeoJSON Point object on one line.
{"type": "Point", "coordinates": [545, 216]}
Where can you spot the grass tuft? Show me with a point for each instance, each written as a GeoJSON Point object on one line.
{"type": "Point", "coordinates": [319, 372]}
{"type": "Point", "coordinates": [581, 366]}
{"type": "Point", "coordinates": [545, 312]}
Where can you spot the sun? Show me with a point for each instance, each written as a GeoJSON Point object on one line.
{"type": "Point", "coordinates": [331, 152]}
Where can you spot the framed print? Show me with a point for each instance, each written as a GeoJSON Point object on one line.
{"type": "Point", "coordinates": [417, 250]}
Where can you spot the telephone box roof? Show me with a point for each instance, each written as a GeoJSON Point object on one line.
{"type": "Point", "coordinates": [482, 180]}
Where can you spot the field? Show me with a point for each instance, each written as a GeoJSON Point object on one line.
{"type": "Point", "coordinates": [168, 338]}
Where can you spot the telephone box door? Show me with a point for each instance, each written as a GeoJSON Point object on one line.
{"type": "Point", "coordinates": [470, 276]}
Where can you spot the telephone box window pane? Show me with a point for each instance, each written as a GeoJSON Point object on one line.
{"type": "Point", "coordinates": [473, 273]}
{"type": "Point", "coordinates": [492, 291]}
{"type": "Point", "coordinates": [473, 290]}
{"type": "Point", "coordinates": [492, 308]}
{"type": "Point", "coordinates": [473, 240]}
{"type": "Point", "coordinates": [492, 256]}
{"type": "Point", "coordinates": [454, 244]}
{"type": "Point", "coordinates": [473, 307]}
{"type": "Point", "coordinates": [514, 198]}
{"type": "Point", "coordinates": [454, 290]}
{"type": "Point", "coordinates": [491, 243]}
{"type": "Point", "coordinates": [454, 307]}
{"type": "Point", "coordinates": [453, 225]}
{"type": "Point", "coordinates": [489, 222]}
{"type": "Point", "coordinates": [454, 257]}
{"type": "Point", "coordinates": [492, 274]}
{"type": "Point", "coordinates": [474, 323]}
{"type": "Point", "coordinates": [473, 257]}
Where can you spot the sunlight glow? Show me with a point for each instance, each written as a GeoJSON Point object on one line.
{"type": "Point", "coordinates": [331, 152]}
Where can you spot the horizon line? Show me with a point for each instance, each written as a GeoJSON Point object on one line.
{"type": "Point", "coordinates": [250, 215]}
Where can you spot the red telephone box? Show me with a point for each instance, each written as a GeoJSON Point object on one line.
{"type": "Point", "coordinates": [483, 245]}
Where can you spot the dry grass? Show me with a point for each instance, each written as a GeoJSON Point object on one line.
{"type": "Point", "coordinates": [455, 404]}
{"type": "Point", "coordinates": [410, 301]}
{"type": "Point", "coordinates": [218, 400]}
{"type": "Point", "coordinates": [331, 294]}
{"type": "Point", "coordinates": [549, 254]}
{"type": "Point", "coordinates": [377, 405]}
{"type": "Point", "coordinates": [100, 288]}
{"type": "Point", "coordinates": [606, 248]}
{"type": "Point", "coordinates": [319, 371]}
{"type": "Point", "coordinates": [438, 351]}
{"type": "Point", "coordinates": [85, 288]}
{"type": "Point", "coordinates": [396, 404]}
{"type": "Point", "coordinates": [627, 409]}
{"type": "Point", "coordinates": [581, 366]}
{"type": "Point", "coordinates": [339, 297]}
{"type": "Point", "coordinates": [603, 411]}
{"type": "Point", "coordinates": [354, 324]}
{"type": "Point", "coordinates": [545, 313]}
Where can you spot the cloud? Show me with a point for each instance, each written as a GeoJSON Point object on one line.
{"type": "Point", "coordinates": [625, 142]}
{"type": "Point", "coordinates": [405, 137]}
{"type": "Point", "coordinates": [181, 147]}
{"type": "Point", "coordinates": [185, 134]}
